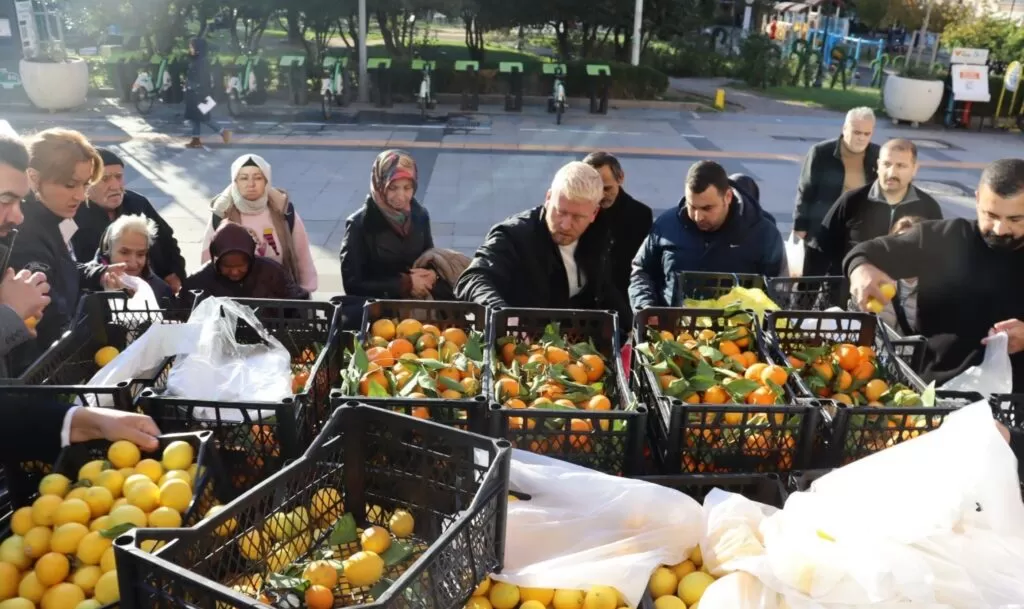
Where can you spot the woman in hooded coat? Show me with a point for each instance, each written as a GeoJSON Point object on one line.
{"type": "Point", "coordinates": [197, 89]}
{"type": "Point", "coordinates": [254, 203]}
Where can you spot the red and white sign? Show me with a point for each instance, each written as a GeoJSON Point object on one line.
{"type": "Point", "coordinates": [970, 83]}
{"type": "Point", "coordinates": [978, 57]}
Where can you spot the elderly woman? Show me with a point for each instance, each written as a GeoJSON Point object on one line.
{"type": "Point", "coordinates": [387, 244]}
{"type": "Point", "coordinates": [62, 165]}
{"type": "Point", "coordinates": [127, 241]}
{"type": "Point", "coordinates": [252, 202]}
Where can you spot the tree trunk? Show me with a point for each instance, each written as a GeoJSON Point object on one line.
{"type": "Point", "coordinates": [562, 36]}
{"type": "Point", "coordinates": [233, 30]}
{"type": "Point", "coordinates": [295, 35]}
{"type": "Point", "coordinates": [386, 33]}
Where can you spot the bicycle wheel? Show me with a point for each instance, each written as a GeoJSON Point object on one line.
{"type": "Point", "coordinates": [234, 104]}
{"type": "Point", "coordinates": [143, 101]}
{"type": "Point", "coordinates": [326, 103]}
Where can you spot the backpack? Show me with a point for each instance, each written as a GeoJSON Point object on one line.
{"type": "Point", "coordinates": [289, 217]}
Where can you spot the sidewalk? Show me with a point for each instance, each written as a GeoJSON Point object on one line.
{"type": "Point", "coordinates": [740, 99]}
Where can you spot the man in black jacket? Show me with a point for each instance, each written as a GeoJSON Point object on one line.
{"type": "Point", "coordinates": [545, 257]}
{"type": "Point", "coordinates": [623, 220]}
{"type": "Point", "coordinates": [968, 275]}
{"type": "Point", "coordinates": [109, 200]}
{"type": "Point", "coordinates": [833, 167]}
{"type": "Point", "coordinates": [871, 210]}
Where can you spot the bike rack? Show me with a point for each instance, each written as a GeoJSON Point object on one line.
{"type": "Point", "coordinates": [292, 68]}
{"type": "Point", "coordinates": [600, 78]}
{"type": "Point", "coordinates": [471, 84]}
{"type": "Point", "coordinates": [514, 97]}
{"type": "Point", "coordinates": [551, 69]}
{"type": "Point", "coordinates": [380, 74]}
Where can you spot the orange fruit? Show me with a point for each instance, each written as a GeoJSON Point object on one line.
{"type": "Point", "coordinates": [451, 394]}
{"type": "Point", "coordinates": [594, 366]}
{"type": "Point", "coordinates": [420, 412]}
{"type": "Point", "coordinates": [564, 402]}
{"type": "Point", "coordinates": [715, 395]}
{"type": "Point", "coordinates": [599, 402]}
{"type": "Point", "coordinates": [761, 396]}
{"type": "Point", "coordinates": [823, 369]}
{"type": "Point", "coordinates": [580, 441]}
{"type": "Point", "coordinates": [515, 403]}
{"type": "Point", "coordinates": [508, 353]}
{"type": "Point", "coordinates": [455, 335]}
{"type": "Point", "coordinates": [319, 597]}
{"type": "Point", "coordinates": [666, 335]}
{"type": "Point", "coordinates": [693, 398]}
{"type": "Point", "coordinates": [537, 358]}
{"type": "Point", "coordinates": [376, 376]}
{"type": "Point", "coordinates": [665, 380]}
{"type": "Point", "coordinates": [750, 358]}
{"type": "Point", "coordinates": [753, 373]}
{"type": "Point", "coordinates": [684, 336]}
{"type": "Point", "coordinates": [551, 390]}
{"type": "Point", "coordinates": [864, 370]}
{"type": "Point", "coordinates": [400, 346]}
{"type": "Point", "coordinates": [707, 335]}
{"type": "Point", "coordinates": [408, 327]}
{"type": "Point", "coordinates": [450, 372]}
{"type": "Point", "coordinates": [727, 347]}
{"type": "Point", "coordinates": [866, 352]}
{"type": "Point", "coordinates": [426, 341]}
{"type": "Point", "coordinates": [430, 354]}
{"type": "Point", "coordinates": [739, 359]}
{"type": "Point", "coordinates": [843, 398]}
{"type": "Point", "coordinates": [381, 356]}
{"type": "Point", "coordinates": [507, 387]}
{"type": "Point", "coordinates": [843, 381]}
{"type": "Point", "coordinates": [796, 363]}
{"type": "Point", "coordinates": [744, 337]}
{"type": "Point", "coordinates": [431, 329]}
{"type": "Point", "coordinates": [383, 328]}
{"type": "Point", "coordinates": [874, 389]}
{"type": "Point", "coordinates": [540, 403]}
{"type": "Point", "coordinates": [556, 355]}
{"type": "Point", "coordinates": [775, 374]}
{"type": "Point", "coordinates": [847, 357]}
{"type": "Point", "coordinates": [577, 373]}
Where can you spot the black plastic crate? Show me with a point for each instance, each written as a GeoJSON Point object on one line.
{"type": "Point", "coordinates": [737, 438]}
{"type": "Point", "coordinates": [801, 481]}
{"type": "Point", "coordinates": [911, 350]}
{"type": "Point", "coordinates": [368, 463]}
{"type": "Point", "coordinates": [256, 437]}
{"type": "Point", "coordinates": [789, 332]}
{"type": "Point", "coordinates": [704, 286]}
{"type": "Point", "coordinates": [858, 431]}
{"type": "Point", "coordinates": [1008, 409]}
{"type": "Point", "coordinates": [469, 411]}
{"type": "Point", "coordinates": [610, 441]}
{"type": "Point", "coordinates": [763, 488]}
{"type": "Point", "coordinates": [61, 373]}
{"type": "Point", "coordinates": [808, 293]}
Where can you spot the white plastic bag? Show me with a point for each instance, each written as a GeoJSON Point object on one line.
{"type": "Point", "coordinates": [582, 528]}
{"type": "Point", "coordinates": [994, 375]}
{"type": "Point", "coordinates": [795, 255]}
{"type": "Point", "coordinates": [739, 590]}
{"type": "Point", "coordinates": [222, 369]}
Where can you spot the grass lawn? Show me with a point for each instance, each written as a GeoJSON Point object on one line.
{"type": "Point", "coordinates": [832, 99]}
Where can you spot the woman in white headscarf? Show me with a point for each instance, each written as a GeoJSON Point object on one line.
{"type": "Point", "coordinates": [252, 202]}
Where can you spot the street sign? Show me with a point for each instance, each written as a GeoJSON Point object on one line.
{"type": "Point", "coordinates": [1012, 78]}
{"type": "Point", "coordinates": [970, 83]}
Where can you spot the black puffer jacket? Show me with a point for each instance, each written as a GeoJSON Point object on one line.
{"type": "Point", "coordinates": [519, 265]}
{"type": "Point", "coordinates": [821, 182]}
{"type": "Point", "coordinates": [625, 225]}
{"type": "Point", "coordinates": [375, 259]}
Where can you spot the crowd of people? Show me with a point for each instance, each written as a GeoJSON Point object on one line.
{"type": "Point", "coordinates": [588, 245]}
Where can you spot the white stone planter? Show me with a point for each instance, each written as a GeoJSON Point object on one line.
{"type": "Point", "coordinates": [55, 86]}
{"type": "Point", "coordinates": [910, 99]}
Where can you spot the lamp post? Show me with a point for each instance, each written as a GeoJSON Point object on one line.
{"type": "Point", "coordinates": [364, 76]}
{"type": "Point", "coordinates": [638, 19]}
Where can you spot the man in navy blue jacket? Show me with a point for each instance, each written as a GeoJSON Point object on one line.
{"type": "Point", "coordinates": [719, 226]}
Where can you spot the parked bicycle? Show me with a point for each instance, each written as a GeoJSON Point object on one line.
{"type": "Point", "coordinates": [557, 103]}
{"type": "Point", "coordinates": [425, 98]}
{"type": "Point", "coordinates": [145, 90]}
{"type": "Point", "coordinates": [243, 86]}
{"type": "Point", "coordinates": [336, 85]}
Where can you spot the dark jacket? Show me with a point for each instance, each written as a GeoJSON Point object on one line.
{"type": "Point", "coordinates": [40, 247]}
{"type": "Point", "coordinates": [748, 242]}
{"type": "Point", "coordinates": [163, 292]}
{"type": "Point", "coordinates": [375, 258]}
{"type": "Point", "coordinates": [266, 278]}
{"type": "Point", "coordinates": [164, 257]}
{"type": "Point", "coordinates": [197, 80]}
{"type": "Point", "coordinates": [964, 288]}
{"type": "Point", "coordinates": [13, 332]}
{"type": "Point", "coordinates": [624, 226]}
{"type": "Point", "coordinates": [859, 215]}
{"type": "Point", "coordinates": [821, 181]}
{"type": "Point", "coordinates": [519, 265]}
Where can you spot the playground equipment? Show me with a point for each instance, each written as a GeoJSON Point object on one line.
{"type": "Point", "coordinates": [1011, 83]}
{"type": "Point", "coordinates": [470, 71]}
{"type": "Point", "coordinates": [878, 66]}
{"type": "Point", "coordinates": [843, 67]}
{"type": "Point", "coordinates": [805, 63]}
{"type": "Point", "coordinates": [557, 103]}
{"type": "Point", "coordinates": [514, 97]}
{"type": "Point", "coordinates": [835, 40]}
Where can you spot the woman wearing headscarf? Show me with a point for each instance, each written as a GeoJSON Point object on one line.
{"type": "Point", "coordinates": [197, 89]}
{"type": "Point", "coordinates": [384, 240]}
{"type": "Point", "coordinates": [252, 202]}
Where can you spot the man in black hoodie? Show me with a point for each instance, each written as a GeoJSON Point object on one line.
{"type": "Point", "coordinates": [968, 275]}
{"type": "Point", "coordinates": [870, 211]}
{"type": "Point", "coordinates": [717, 227]}
{"type": "Point", "coordinates": [623, 220]}
{"type": "Point", "coordinates": [108, 201]}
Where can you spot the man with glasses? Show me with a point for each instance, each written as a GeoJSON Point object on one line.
{"type": "Point", "coordinates": [544, 257]}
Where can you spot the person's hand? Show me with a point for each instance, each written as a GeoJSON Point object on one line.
{"type": "Point", "coordinates": [428, 274]}
{"type": "Point", "coordinates": [1014, 329]}
{"type": "Point", "coordinates": [865, 283]}
{"type": "Point", "coordinates": [111, 278]}
{"type": "Point", "coordinates": [801, 234]}
{"type": "Point", "coordinates": [421, 281]}
{"type": "Point", "coordinates": [93, 423]}
{"type": "Point", "coordinates": [25, 292]}
{"type": "Point", "coordinates": [174, 281]}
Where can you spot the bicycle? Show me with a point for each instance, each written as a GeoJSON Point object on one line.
{"type": "Point", "coordinates": [242, 86]}
{"type": "Point", "coordinates": [336, 85]}
{"type": "Point", "coordinates": [425, 97]}
{"type": "Point", "coordinates": [144, 90]}
{"type": "Point", "coordinates": [557, 103]}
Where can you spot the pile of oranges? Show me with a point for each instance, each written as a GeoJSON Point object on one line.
{"type": "Point", "coordinates": [411, 359]}
{"type": "Point", "coordinates": [846, 373]}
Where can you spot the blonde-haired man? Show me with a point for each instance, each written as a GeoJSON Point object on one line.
{"type": "Point", "coordinates": [544, 257]}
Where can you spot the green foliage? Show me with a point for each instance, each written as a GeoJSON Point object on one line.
{"type": "Point", "coordinates": [1002, 37]}
{"type": "Point", "coordinates": [760, 62]}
